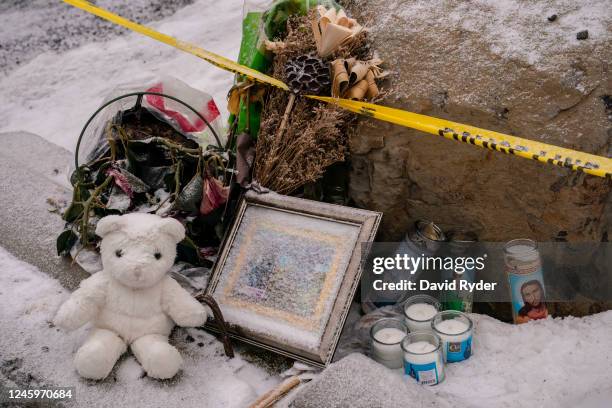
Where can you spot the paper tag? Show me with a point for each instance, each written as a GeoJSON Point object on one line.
{"type": "Point", "coordinates": [426, 374]}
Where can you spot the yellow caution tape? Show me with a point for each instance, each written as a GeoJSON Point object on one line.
{"type": "Point", "coordinates": [211, 57]}
{"type": "Point", "coordinates": [529, 149]}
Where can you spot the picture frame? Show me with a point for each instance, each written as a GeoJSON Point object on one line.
{"type": "Point", "coordinates": [288, 271]}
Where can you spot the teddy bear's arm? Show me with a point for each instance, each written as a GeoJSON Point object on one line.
{"type": "Point", "coordinates": [181, 306]}
{"type": "Point", "coordinates": [84, 303]}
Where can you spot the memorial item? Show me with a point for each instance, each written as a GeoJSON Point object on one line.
{"type": "Point", "coordinates": [423, 359]}
{"type": "Point", "coordinates": [455, 330]}
{"type": "Point", "coordinates": [332, 29]}
{"type": "Point", "coordinates": [355, 79]}
{"type": "Point", "coordinates": [419, 310]}
{"type": "Point", "coordinates": [145, 151]}
{"type": "Point", "coordinates": [461, 244]}
{"type": "Point", "coordinates": [524, 270]}
{"type": "Point", "coordinates": [288, 272]}
{"type": "Point", "coordinates": [308, 73]}
{"type": "Point", "coordinates": [300, 138]}
{"type": "Point", "coordinates": [424, 239]}
{"type": "Point", "coordinates": [386, 337]}
{"type": "Point", "coordinates": [132, 301]}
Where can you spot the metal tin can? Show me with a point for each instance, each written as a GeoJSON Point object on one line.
{"type": "Point", "coordinates": [523, 267]}
{"type": "Point", "coordinates": [422, 240]}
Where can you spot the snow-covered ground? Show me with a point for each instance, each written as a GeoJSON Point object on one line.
{"type": "Point", "coordinates": [29, 28]}
{"type": "Point", "coordinates": [34, 352]}
{"type": "Point", "coordinates": [54, 93]}
{"type": "Point", "coordinates": [56, 66]}
{"type": "Point", "coordinates": [552, 363]}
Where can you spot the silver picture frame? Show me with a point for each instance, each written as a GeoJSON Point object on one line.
{"type": "Point", "coordinates": [287, 273]}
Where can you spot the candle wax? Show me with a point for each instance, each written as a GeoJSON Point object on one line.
{"type": "Point", "coordinates": [524, 252]}
{"type": "Point", "coordinates": [420, 347]}
{"type": "Point", "coordinates": [389, 335]}
{"type": "Point", "coordinates": [421, 311]}
{"type": "Point", "coordinates": [419, 315]}
{"type": "Point", "coordinates": [452, 326]}
{"type": "Point", "coordinates": [387, 348]}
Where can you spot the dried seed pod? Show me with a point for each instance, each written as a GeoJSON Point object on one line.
{"type": "Point", "coordinates": [308, 74]}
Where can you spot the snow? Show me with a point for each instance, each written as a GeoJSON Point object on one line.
{"type": "Point", "coordinates": [26, 29]}
{"type": "Point", "coordinates": [541, 363]}
{"type": "Point", "coordinates": [35, 352]}
{"type": "Point", "coordinates": [521, 29]}
{"type": "Point", "coordinates": [50, 87]}
{"type": "Point", "coordinates": [54, 93]}
{"type": "Point", "coordinates": [544, 363]}
{"type": "Point", "coordinates": [514, 29]}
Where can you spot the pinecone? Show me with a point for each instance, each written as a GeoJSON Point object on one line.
{"type": "Point", "coordinates": [308, 74]}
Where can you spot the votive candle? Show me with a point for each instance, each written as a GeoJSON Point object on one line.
{"type": "Point", "coordinates": [455, 330]}
{"type": "Point", "coordinates": [423, 359]}
{"type": "Point", "coordinates": [419, 310]}
{"type": "Point", "coordinates": [386, 337]}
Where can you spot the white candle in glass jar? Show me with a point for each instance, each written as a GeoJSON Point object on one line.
{"type": "Point", "coordinates": [420, 347]}
{"type": "Point", "coordinates": [423, 359]}
{"type": "Point", "coordinates": [419, 310]}
{"type": "Point", "coordinates": [386, 340]}
{"type": "Point", "coordinates": [455, 330]}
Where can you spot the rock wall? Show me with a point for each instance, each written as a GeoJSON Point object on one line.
{"type": "Point", "coordinates": [499, 65]}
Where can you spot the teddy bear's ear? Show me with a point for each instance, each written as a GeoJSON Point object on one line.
{"type": "Point", "coordinates": [173, 228]}
{"type": "Point", "coordinates": [108, 224]}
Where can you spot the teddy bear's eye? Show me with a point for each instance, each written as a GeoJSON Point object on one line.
{"type": "Point", "coordinates": [118, 253]}
{"type": "Point", "coordinates": [157, 255]}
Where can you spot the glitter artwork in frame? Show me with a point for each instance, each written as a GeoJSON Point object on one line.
{"type": "Point", "coordinates": [288, 271]}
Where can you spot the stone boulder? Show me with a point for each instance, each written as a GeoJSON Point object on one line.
{"type": "Point", "coordinates": [498, 65]}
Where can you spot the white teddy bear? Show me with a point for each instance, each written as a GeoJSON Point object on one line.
{"type": "Point", "coordinates": [132, 300]}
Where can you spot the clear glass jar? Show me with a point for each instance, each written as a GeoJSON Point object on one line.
{"type": "Point", "coordinates": [522, 256]}
{"type": "Point", "coordinates": [455, 330]}
{"type": "Point", "coordinates": [523, 267]}
{"type": "Point", "coordinates": [386, 337]}
{"type": "Point", "coordinates": [461, 244]}
{"type": "Point", "coordinates": [419, 310]}
{"type": "Point", "coordinates": [423, 358]}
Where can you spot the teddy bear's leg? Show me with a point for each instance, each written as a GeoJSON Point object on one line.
{"type": "Point", "coordinates": [96, 358]}
{"type": "Point", "coordinates": [158, 358]}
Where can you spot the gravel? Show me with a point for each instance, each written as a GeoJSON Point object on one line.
{"type": "Point", "coordinates": [29, 28]}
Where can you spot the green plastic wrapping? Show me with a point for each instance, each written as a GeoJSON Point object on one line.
{"type": "Point", "coordinates": [264, 20]}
